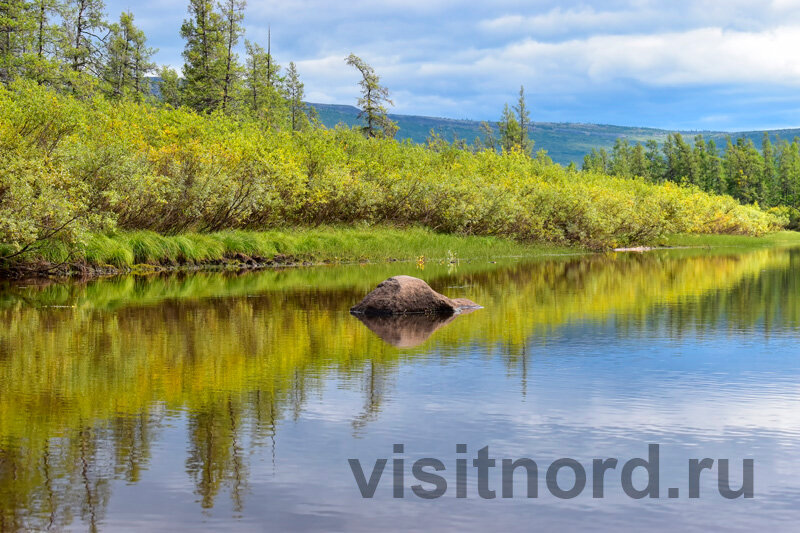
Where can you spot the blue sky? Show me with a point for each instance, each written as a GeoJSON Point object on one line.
{"type": "Point", "coordinates": [683, 64]}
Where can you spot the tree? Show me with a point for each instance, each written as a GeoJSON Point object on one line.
{"type": "Point", "coordinates": [371, 102]}
{"type": "Point", "coordinates": [205, 56]}
{"type": "Point", "coordinates": [12, 42]}
{"type": "Point", "coordinates": [256, 75]}
{"type": "Point", "coordinates": [622, 158]}
{"type": "Point", "coordinates": [264, 89]}
{"type": "Point", "coordinates": [514, 126]}
{"type": "Point", "coordinates": [640, 165]}
{"type": "Point", "coordinates": [713, 173]}
{"type": "Point", "coordinates": [770, 188]}
{"type": "Point", "coordinates": [44, 63]}
{"type": "Point", "coordinates": [523, 139]}
{"type": "Point", "coordinates": [169, 86]}
{"type": "Point", "coordinates": [296, 91]}
{"type": "Point", "coordinates": [597, 161]}
{"type": "Point", "coordinates": [788, 173]}
{"type": "Point", "coordinates": [744, 167]}
{"type": "Point", "coordinates": [233, 15]}
{"type": "Point", "coordinates": [489, 138]}
{"type": "Point", "coordinates": [128, 59]}
{"type": "Point", "coordinates": [85, 29]}
{"type": "Point", "coordinates": [45, 33]}
{"type": "Point", "coordinates": [655, 161]}
{"type": "Point", "coordinates": [509, 130]}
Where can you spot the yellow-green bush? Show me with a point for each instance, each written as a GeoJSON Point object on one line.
{"type": "Point", "coordinates": [72, 168]}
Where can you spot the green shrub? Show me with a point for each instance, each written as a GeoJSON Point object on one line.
{"type": "Point", "coordinates": [73, 168]}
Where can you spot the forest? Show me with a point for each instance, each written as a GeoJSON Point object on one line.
{"type": "Point", "coordinates": [97, 142]}
{"type": "Point", "coordinates": [769, 177]}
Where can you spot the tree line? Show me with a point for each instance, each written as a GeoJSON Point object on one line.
{"type": "Point", "coordinates": [769, 176]}
{"type": "Point", "coordinates": [71, 45]}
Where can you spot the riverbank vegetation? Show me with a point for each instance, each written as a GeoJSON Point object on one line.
{"type": "Point", "coordinates": [94, 156]}
{"type": "Point", "coordinates": [75, 168]}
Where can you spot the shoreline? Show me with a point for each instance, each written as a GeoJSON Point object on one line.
{"type": "Point", "coordinates": [331, 246]}
{"type": "Point", "coordinates": [142, 252]}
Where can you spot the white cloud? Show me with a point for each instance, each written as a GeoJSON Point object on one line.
{"type": "Point", "coordinates": [445, 56]}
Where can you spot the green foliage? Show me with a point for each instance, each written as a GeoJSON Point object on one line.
{"type": "Point", "coordinates": [769, 177]}
{"type": "Point", "coordinates": [169, 87]}
{"type": "Point", "coordinates": [128, 59]}
{"type": "Point", "coordinates": [296, 92]}
{"type": "Point", "coordinates": [75, 167]}
{"type": "Point", "coordinates": [521, 138]}
{"type": "Point", "coordinates": [85, 23]}
{"type": "Point", "coordinates": [206, 64]}
{"type": "Point", "coordinates": [373, 97]}
{"type": "Point", "coordinates": [263, 87]}
{"type": "Point", "coordinates": [233, 15]}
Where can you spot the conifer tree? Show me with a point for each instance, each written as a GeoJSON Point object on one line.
{"type": "Point", "coordinates": [770, 190]}
{"type": "Point", "coordinates": [205, 56]}
{"type": "Point", "coordinates": [296, 92]}
{"type": "Point", "coordinates": [232, 15]}
{"type": "Point", "coordinates": [788, 173]}
{"type": "Point", "coordinates": [264, 91]}
{"type": "Point", "coordinates": [13, 22]}
{"type": "Point", "coordinates": [169, 86]}
{"type": "Point", "coordinates": [372, 100]}
{"type": "Point", "coordinates": [509, 130]}
{"type": "Point", "coordinates": [43, 64]}
{"type": "Point", "coordinates": [640, 166]}
{"type": "Point", "coordinates": [714, 178]}
{"type": "Point", "coordinates": [128, 59]}
{"type": "Point", "coordinates": [86, 29]}
{"type": "Point", "coordinates": [490, 140]}
{"type": "Point", "coordinates": [523, 139]}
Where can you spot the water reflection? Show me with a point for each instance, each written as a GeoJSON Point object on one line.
{"type": "Point", "coordinates": [98, 379]}
{"type": "Point", "coordinates": [407, 331]}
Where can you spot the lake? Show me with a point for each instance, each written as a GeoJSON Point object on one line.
{"type": "Point", "coordinates": [253, 401]}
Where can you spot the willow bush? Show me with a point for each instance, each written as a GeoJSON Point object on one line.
{"type": "Point", "coordinates": [73, 168]}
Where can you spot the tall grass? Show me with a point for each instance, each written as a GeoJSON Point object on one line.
{"type": "Point", "coordinates": [125, 250]}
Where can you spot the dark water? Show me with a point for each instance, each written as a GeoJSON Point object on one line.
{"type": "Point", "coordinates": [213, 401]}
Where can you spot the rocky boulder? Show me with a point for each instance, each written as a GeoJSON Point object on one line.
{"type": "Point", "coordinates": [406, 295]}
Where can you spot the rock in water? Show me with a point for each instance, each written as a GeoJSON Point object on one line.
{"type": "Point", "coordinates": [404, 295]}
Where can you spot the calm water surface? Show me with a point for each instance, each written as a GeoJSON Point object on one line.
{"type": "Point", "coordinates": [211, 401]}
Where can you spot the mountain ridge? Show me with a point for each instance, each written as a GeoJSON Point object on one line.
{"type": "Point", "coordinates": [565, 142]}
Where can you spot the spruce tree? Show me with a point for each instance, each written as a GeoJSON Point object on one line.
{"type": "Point", "coordinates": [129, 59]}
{"type": "Point", "coordinates": [232, 15]}
{"type": "Point", "coordinates": [169, 86]}
{"type": "Point", "coordinates": [44, 62]}
{"type": "Point", "coordinates": [205, 56]}
{"type": "Point", "coordinates": [714, 177]}
{"type": "Point", "coordinates": [509, 130]}
{"type": "Point", "coordinates": [770, 190]}
{"type": "Point", "coordinates": [523, 139]}
{"type": "Point", "coordinates": [296, 91]}
{"type": "Point", "coordinates": [85, 28]}
{"type": "Point", "coordinates": [372, 100]}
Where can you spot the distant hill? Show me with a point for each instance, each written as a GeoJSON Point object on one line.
{"type": "Point", "coordinates": [564, 142]}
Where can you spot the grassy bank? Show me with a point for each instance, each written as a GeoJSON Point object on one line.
{"type": "Point", "coordinates": [123, 251]}
{"type": "Point", "coordinates": [776, 239]}
{"type": "Point", "coordinates": [77, 168]}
